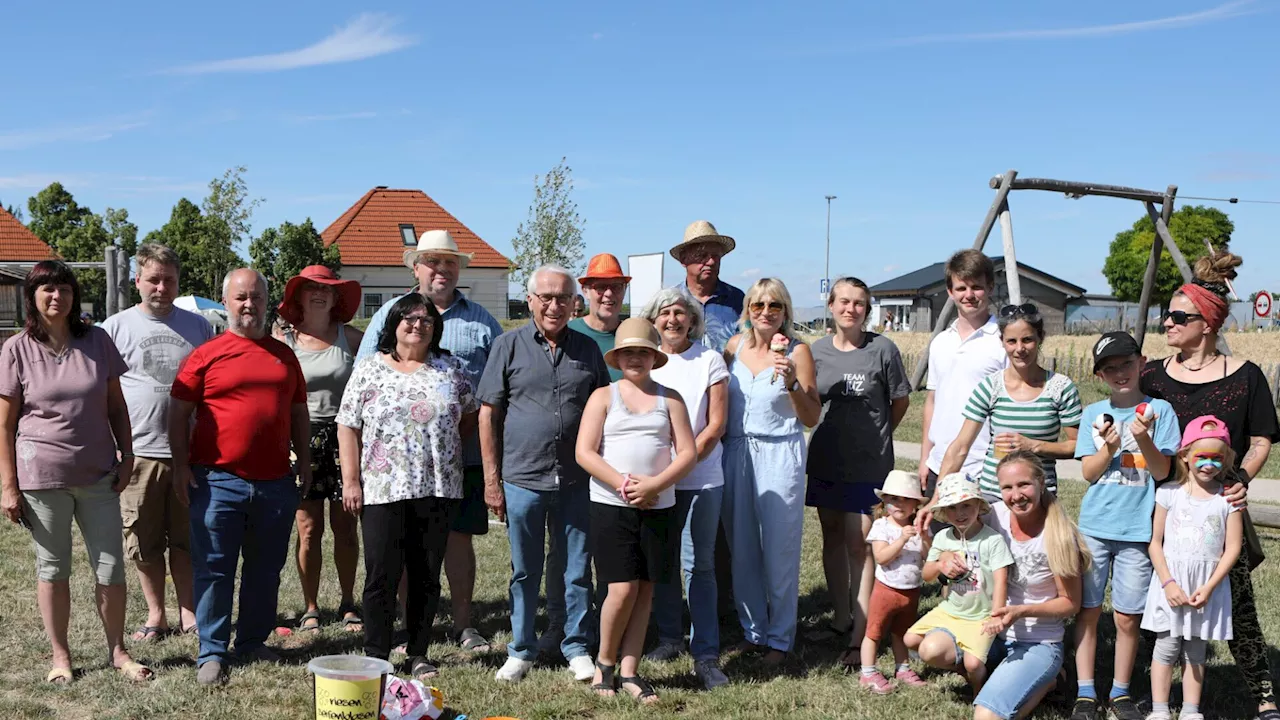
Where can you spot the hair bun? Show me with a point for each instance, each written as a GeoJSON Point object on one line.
{"type": "Point", "coordinates": [1215, 269]}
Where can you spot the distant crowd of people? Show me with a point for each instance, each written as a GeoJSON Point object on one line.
{"type": "Point", "coordinates": [643, 467]}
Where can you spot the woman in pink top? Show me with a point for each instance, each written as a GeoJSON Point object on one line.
{"type": "Point", "coordinates": [64, 417]}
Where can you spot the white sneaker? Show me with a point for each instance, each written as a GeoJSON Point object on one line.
{"type": "Point", "coordinates": [513, 670]}
{"type": "Point", "coordinates": [582, 668]}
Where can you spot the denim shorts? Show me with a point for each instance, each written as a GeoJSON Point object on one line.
{"type": "Point", "coordinates": [1024, 669]}
{"type": "Point", "coordinates": [1128, 567]}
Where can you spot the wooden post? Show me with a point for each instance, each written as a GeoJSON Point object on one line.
{"type": "Point", "coordinates": [113, 295]}
{"type": "Point", "coordinates": [1005, 183]}
{"type": "Point", "coordinates": [122, 279]}
{"type": "Point", "coordinates": [1153, 267]}
{"type": "Point", "coordinates": [1010, 258]}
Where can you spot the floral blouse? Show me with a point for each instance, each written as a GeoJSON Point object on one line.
{"type": "Point", "coordinates": [409, 427]}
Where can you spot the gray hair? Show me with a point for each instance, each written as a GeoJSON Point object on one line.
{"type": "Point", "coordinates": [154, 252]}
{"type": "Point", "coordinates": [532, 284]}
{"type": "Point", "coordinates": [667, 297]}
{"type": "Point", "coordinates": [226, 281]}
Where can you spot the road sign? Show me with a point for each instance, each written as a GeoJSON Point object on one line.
{"type": "Point", "coordinates": [1262, 304]}
{"type": "Point", "coordinates": [824, 286]}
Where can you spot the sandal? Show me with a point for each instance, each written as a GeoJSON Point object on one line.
{"type": "Point", "coordinates": [773, 658]}
{"type": "Point", "coordinates": [150, 633]}
{"type": "Point", "coordinates": [851, 658]}
{"type": "Point", "coordinates": [608, 685]}
{"type": "Point", "coordinates": [827, 634]}
{"type": "Point", "coordinates": [310, 621]}
{"type": "Point", "coordinates": [646, 696]}
{"type": "Point", "coordinates": [471, 640]}
{"type": "Point", "coordinates": [59, 676]}
{"type": "Point", "coordinates": [422, 670]}
{"type": "Point", "coordinates": [136, 672]}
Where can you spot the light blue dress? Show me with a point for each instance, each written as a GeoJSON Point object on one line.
{"type": "Point", "coordinates": [764, 459]}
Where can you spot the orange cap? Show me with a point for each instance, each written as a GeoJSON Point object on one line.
{"type": "Point", "coordinates": [604, 267]}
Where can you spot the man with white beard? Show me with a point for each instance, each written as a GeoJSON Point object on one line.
{"type": "Point", "coordinates": [250, 403]}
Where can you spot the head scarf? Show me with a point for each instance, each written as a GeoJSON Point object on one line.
{"type": "Point", "coordinates": [1210, 304]}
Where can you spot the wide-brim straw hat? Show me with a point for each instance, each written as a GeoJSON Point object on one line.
{"type": "Point", "coordinates": [701, 231]}
{"type": "Point", "coordinates": [958, 487]}
{"type": "Point", "coordinates": [636, 332]}
{"type": "Point", "coordinates": [901, 483]}
{"type": "Point", "coordinates": [346, 296]}
{"type": "Point", "coordinates": [436, 242]}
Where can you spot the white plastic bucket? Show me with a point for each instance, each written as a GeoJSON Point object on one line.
{"type": "Point", "coordinates": [348, 687]}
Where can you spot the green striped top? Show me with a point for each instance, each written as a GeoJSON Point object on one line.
{"type": "Point", "coordinates": [1043, 418]}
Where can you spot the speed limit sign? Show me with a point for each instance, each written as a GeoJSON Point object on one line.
{"type": "Point", "coordinates": [1262, 304]}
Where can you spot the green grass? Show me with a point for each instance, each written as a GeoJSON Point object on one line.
{"type": "Point", "coordinates": [809, 685]}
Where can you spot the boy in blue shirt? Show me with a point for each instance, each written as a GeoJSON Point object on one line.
{"type": "Point", "coordinates": [1125, 447]}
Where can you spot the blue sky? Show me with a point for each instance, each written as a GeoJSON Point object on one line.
{"type": "Point", "coordinates": [745, 114]}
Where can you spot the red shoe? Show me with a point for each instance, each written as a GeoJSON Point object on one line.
{"type": "Point", "coordinates": [876, 683]}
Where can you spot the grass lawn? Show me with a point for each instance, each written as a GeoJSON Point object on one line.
{"type": "Point", "coordinates": [809, 685]}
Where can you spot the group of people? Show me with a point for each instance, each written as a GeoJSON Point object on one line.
{"type": "Point", "coordinates": [670, 443]}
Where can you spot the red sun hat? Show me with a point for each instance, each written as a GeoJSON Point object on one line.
{"type": "Point", "coordinates": [346, 294]}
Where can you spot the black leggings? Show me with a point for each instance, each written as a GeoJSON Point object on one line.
{"type": "Point", "coordinates": [406, 535]}
{"type": "Point", "coordinates": [1249, 647]}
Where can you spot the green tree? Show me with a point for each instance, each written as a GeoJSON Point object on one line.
{"type": "Point", "coordinates": [1190, 226]}
{"type": "Point", "coordinates": [281, 253]}
{"type": "Point", "coordinates": [14, 211]}
{"type": "Point", "coordinates": [78, 234]}
{"type": "Point", "coordinates": [553, 231]}
{"type": "Point", "coordinates": [198, 243]}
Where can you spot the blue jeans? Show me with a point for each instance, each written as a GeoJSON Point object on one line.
{"type": "Point", "coordinates": [1024, 669]}
{"type": "Point", "coordinates": [529, 512]}
{"type": "Point", "coordinates": [231, 516]}
{"type": "Point", "coordinates": [1127, 566]}
{"type": "Point", "coordinates": [698, 512]}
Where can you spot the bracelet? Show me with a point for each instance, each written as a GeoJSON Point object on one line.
{"type": "Point", "coordinates": [1165, 584]}
{"type": "Point", "coordinates": [124, 455]}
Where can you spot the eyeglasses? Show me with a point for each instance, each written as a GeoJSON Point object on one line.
{"type": "Point", "coordinates": [547, 298]}
{"type": "Point", "coordinates": [600, 287]}
{"type": "Point", "coordinates": [1016, 311]}
{"type": "Point", "coordinates": [1180, 317]}
{"type": "Point", "coordinates": [424, 320]}
{"type": "Point", "coordinates": [759, 307]}
{"type": "Point", "coordinates": [697, 256]}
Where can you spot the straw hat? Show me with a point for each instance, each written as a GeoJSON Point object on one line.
{"type": "Point", "coordinates": [636, 332]}
{"type": "Point", "coordinates": [604, 267]}
{"type": "Point", "coordinates": [901, 483]}
{"type": "Point", "coordinates": [436, 242]}
{"type": "Point", "coordinates": [701, 231]}
{"type": "Point", "coordinates": [346, 294]}
{"type": "Point", "coordinates": [957, 488]}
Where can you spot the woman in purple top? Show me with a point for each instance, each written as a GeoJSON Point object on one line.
{"type": "Point", "coordinates": [64, 417]}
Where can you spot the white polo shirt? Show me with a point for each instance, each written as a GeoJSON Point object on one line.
{"type": "Point", "coordinates": [955, 368]}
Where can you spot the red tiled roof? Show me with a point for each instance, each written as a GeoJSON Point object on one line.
{"type": "Point", "coordinates": [17, 243]}
{"type": "Point", "coordinates": [368, 233]}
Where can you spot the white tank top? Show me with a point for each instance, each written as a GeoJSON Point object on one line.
{"type": "Point", "coordinates": [639, 444]}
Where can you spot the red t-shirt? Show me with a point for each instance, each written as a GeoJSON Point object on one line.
{"type": "Point", "coordinates": [244, 391]}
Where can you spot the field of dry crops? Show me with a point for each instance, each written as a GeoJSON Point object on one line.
{"type": "Point", "coordinates": [1262, 348]}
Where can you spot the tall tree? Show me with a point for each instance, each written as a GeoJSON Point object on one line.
{"type": "Point", "coordinates": [281, 253]}
{"type": "Point", "coordinates": [78, 234]}
{"type": "Point", "coordinates": [198, 243]}
{"type": "Point", "coordinates": [15, 211]}
{"type": "Point", "coordinates": [1191, 225]}
{"type": "Point", "coordinates": [553, 231]}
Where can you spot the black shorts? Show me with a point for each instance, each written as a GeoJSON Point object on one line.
{"type": "Point", "coordinates": [473, 514]}
{"type": "Point", "coordinates": [326, 476]}
{"type": "Point", "coordinates": [630, 544]}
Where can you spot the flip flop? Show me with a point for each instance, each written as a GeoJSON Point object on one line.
{"type": "Point", "coordinates": [136, 672]}
{"type": "Point", "coordinates": [150, 633]}
{"type": "Point", "coordinates": [309, 616]}
{"type": "Point", "coordinates": [471, 640]}
{"type": "Point", "coordinates": [422, 670]}
{"type": "Point", "coordinates": [351, 620]}
{"type": "Point", "coordinates": [60, 676]}
{"type": "Point", "coordinates": [827, 634]}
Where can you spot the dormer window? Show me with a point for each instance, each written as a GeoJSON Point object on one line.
{"type": "Point", "coordinates": [408, 235]}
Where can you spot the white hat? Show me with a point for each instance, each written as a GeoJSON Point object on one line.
{"type": "Point", "coordinates": [901, 483]}
{"type": "Point", "coordinates": [957, 488]}
{"type": "Point", "coordinates": [436, 242]}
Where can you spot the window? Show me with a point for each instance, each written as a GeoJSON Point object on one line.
{"type": "Point", "coordinates": [372, 301]}
{"type": "Point", "coordinates": [407, 234]}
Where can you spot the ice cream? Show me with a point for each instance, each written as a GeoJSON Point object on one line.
{"type": "Point", "coordinates": [778, 345]}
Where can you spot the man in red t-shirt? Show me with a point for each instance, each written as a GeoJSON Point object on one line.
{"type": "Point", "coordinates": [250, 403]}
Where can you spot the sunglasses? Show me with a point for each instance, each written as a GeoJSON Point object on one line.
{"type": "Point", "coordinates": [1180, 317]}
{"type": "Point", "coordinates": [1023, 310]}
{"type": "Point", "coordinates": [758, 307]}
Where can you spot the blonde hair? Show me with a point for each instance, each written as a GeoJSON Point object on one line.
{"type": "Point", "coordinates": [767, 287]}
{"type": "Point", "coordinates": [1068, 555]}
{"type": "Point", "coordinates": [1182, 468]}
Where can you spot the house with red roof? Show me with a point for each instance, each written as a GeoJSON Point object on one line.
{"type": "Point", "coordinates": [17, 245]}
{"type": "Point", "coordinates": [373, 234]}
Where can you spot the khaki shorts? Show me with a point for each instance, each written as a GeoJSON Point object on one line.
{"type": "Point", "coordinates": [154, 520]}
{"type": "Point", "coordinates": [96, 509]}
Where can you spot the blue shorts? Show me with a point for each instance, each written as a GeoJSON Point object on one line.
{"type": "Point", "coordinates": [1128, 567]}
{"type": "Point", "coordinates": [851, 497]}
{"type": "Point", "coordinates": [1024, 669]}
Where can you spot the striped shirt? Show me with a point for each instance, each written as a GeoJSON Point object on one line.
{"type": "Point", "coordinates": [1043, 418]}
{"type": "Point", "coordinates": [469, 332]}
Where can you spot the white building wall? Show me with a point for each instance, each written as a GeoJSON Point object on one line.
{"type": "Point", "coordinates": [487, 286]}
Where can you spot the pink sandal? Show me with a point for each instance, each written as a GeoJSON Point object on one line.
{"type": "Point", "coordinates": [909, 677]}
{"type": "Point", "coordinates": [876, 683]}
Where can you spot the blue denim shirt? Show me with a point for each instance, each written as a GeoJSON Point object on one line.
{"type": "Point", "coordinates": [469, 331]}
{"type": "Point", "coordinates": [722, 311]}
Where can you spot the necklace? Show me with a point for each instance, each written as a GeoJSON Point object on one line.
{"type": "Point", "coordinates": [1199, 367]}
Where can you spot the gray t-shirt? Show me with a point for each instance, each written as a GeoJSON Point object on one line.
{"type": "Point", "coordinates": [854, 441]}
{"type": "Point", "coordinates": [153, 348]}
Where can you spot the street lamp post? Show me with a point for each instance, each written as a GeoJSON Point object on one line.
{"type": "Point", "coordinates": [826, 268]}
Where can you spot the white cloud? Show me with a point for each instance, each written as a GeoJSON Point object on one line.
{"type": "Point", "coordinates": [890, 268]}
{"type": "Point", "coordinates": [597, 36]}
{"type": "Point", "coordinates": [1225, 11]}
{"type": "Point", "coordinates": [368, 35]}
{"type": "Point", "coordinates": [750, 273]}
{"type": "Point", "coordinates": [94, 132]}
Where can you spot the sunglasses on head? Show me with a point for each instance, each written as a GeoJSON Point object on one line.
{"type": "Point", "coordinates": [758, 306]}
{"type": "Point", "coordinates": [1181, 317]}
{"type": "Point", "coordinates": [1023, 310]}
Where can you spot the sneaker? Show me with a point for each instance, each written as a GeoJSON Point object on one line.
{"type": "Point", "coordinates": [1123, 708]}
{"type": "Point", "coordinates": [909, 677]}
{"type": "Point", "coordinates": [1191, 716]}
{"type": "Point", "coordinates": [665, 651]}
{"type": "Point", "coordinates": [513, 670]}
{"type": "Point", "coordinates": [261, 653]}
{"type": "Point", "coordinates": [549, 643]}
{"type": "Point", "coordinates": [1085, 709]}
{"type": "Point", "coordinates": [876, 683]}
{"type": "Point", "coordinates": [583, 668]}
{"type": "Point", "coordinates": [211, 673]}
{"type": "Point", "coordinates": [1159, 716]}
{"type": "Point", "coordinates": [709, 672]}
